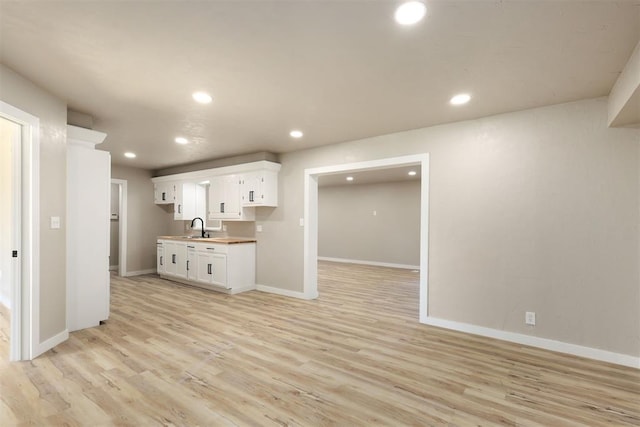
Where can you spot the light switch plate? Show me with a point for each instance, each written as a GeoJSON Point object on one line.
{"type": "Point", "coordinates": [258, 228]}
{"type": "Point", "coordinates": [55, 222]}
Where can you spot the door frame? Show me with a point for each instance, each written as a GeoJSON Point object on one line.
{"type": "Point", "coordinates": [310, 286]}
{"type": "Point", "coordinates": [25, 296]}
{"type": "Point", "coordinates": [122, 225]}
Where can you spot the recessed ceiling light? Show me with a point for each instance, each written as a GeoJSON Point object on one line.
{"type": "Point", "coordinates": [412, 173]}
{"type": "Point", "coordinates": [349, 178]}
{"type": "Point", "coordinates": [130, 155]}
{"type": "Point", "coordinates": [460, 99]}
{"type": "Point", "coordinates": [410, 12]}
{"type": "Point", "coordinates": [202, 97]}
{"type": "Point", "coordinates": [296, 134]}
{"type": "Point", "coordinates": [181, 140]}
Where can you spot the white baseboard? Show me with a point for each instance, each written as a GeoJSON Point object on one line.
{"type": "Point", "coordinates": [140, 272]}
{"type": "Point", "coordinates": [285, 292]}
{"type": "Point", "coordinates": [51, 342]}
{"type": "Point", "coordinates": [113, 267]}
{"type": "Point", "coordinates": [376, 263]}
{"type": "Point", "coordinates": [547, 344]}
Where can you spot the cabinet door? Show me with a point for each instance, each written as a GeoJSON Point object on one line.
{"type": "Point", "coordinates": [252, 189]}
{"type": "Point", "coordinates": [204, 272]}
{"type": "Point", "coordinates": [185, 201]}
{"type": "Point", "coordinates": [219, 269]}
{"type": "Point", "coordinates": [176, 259]}
{"type": "Point", "coordinates": [164, 192]}
{"type": "Point", "coordinates": [231, 196]}
{"type": "Point", "coordinates": [260, 188]}
{"type": "Point", "coordinates": [181, 258]}
{"type": "Point", "coordinates": [216, 197]}
{"type": "Point", "coordinates": [160, 259]}
{"type": "Point", "coordinates": [192, 261]}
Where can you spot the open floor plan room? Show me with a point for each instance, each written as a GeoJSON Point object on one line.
{"type": "Point", "coordinates": [178, 355]}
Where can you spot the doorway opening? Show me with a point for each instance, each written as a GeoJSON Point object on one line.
{"type": "Point", "coordinates": [20, 272]}
{"type": "Point", "coordinates": [118, 254]}
{"type": "Point", "coordinates": [311, 219]}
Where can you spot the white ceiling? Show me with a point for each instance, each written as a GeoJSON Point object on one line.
{"type": "Point", "coordinates": [338, 70]}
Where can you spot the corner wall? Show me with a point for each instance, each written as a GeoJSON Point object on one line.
{"type": "Point", "coordinates": [529, 211]}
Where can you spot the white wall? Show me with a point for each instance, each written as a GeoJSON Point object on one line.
{"type": "Point", "coordinates": [348, 229]}
{"type": "Point", "coordinates": [535, 210]}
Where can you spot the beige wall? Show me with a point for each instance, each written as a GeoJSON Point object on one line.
{"type": "Point", "coordinates": [348, 229]}
{"type": "Point", "coordinates": [145, 219]}
{"type": "Point", "coordinates": [9, 132]}
{"type": "Point", "coordinates": [52, 112]}
{"type": "Point", "coordinates": [529, 211]}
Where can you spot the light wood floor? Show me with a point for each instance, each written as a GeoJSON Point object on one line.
{"type": "Point", "coordinates": [175, 355]}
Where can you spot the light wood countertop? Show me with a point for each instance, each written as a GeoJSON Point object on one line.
{"type": "Point", "coordinates": [220, 240]}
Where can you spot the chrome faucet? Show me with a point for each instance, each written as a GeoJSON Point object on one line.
{"type": "Point", "coordinates": [201, 222]}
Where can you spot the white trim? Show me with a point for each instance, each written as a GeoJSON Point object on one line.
{"type": "Point", "coordinates": [85, 137]}
{"type": "Point", "coordinates": [140, 272]}
{"type": "Point", "coordinates": [544, 343]}
{"type": "Point", "coordinates": [310, 280]}
{"type": "Point", "coordinates": [122, 226]}
{"type": "Point", "coordinates": [225, 170]}
{"type": "Point", "coordinates": [52, 342]}
{"type": "Point", "coordinates": [284, 292]}
{"type": "Point", "coordinates": [363, 262]}
{"type": "Point", "coordinates": [25, 315]}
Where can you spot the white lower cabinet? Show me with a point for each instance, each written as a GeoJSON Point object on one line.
{"type": "Point", "coordinates": [160, 258]}
{"type": "Point", "coordinates": [192, 263]}
{"type": "Point", "coordinates": [212, 267]}
{"type": "Point", "coordinates": [224, 267]}
{"type": "Point", "coordinates": [176, 259]}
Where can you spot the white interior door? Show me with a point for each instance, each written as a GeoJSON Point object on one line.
{"type": "Point", "coordinates": [10, 226]}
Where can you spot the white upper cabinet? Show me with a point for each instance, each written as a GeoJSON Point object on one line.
{"type": "Point", "coordinates": [164, 193]}
{"type": "Point", "coordinates": [185, 205]}
{"type": "Point", "coordinates": [224, 199]}
{"type": "Point", "coordinates": [260, 188]}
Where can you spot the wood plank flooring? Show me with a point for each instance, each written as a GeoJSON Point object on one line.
{"type": "Point", "coordinates": [176, 355]}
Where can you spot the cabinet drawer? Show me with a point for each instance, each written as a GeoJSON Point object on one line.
{"type": "Point", "coordinates": [212, 247]}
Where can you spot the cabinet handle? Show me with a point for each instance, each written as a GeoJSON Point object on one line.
{"type": "Point", "coordinates": [161, 261]}
{"type": "Point", "coordinates": [164, 196]}
{"type": "Point", "coordinates": [208, 268]}
{"type": "Point", "coordinates": [179, 208]}
{"type": "Point", "coordinates": [251, 196]}
{"type": "Point", "coordinates": [222, 207]}
{"type": "Point", "coordinates": [187, 265]}
{"type": "Point", "coordinates": [173, 258]}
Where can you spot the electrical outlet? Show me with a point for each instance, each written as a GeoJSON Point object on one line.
{"type": "Point", "coordinates": [530, 318]}
{"type": "Point", "coordinates": [259, 228]}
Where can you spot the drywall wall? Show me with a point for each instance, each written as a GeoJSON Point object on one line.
{"type": "Point", "coordinates": [52, 112]}
{"type": "Point", "coordinates": [145, 219]}
{"type": "Point", "coordinates": [114, 227]}
{"type": "Point", "coordinates": [349, 229]}
{"type": "Point", "coordinates": [9, 133]}
{"type": "Point", "coordinates": [534, 210]}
